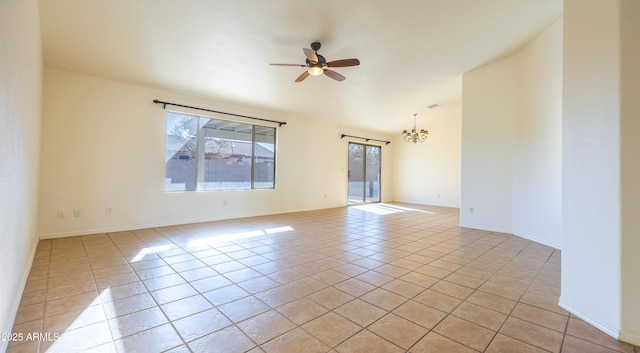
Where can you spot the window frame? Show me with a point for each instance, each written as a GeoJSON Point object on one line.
{"type": "Point", "coordinates": [199, 160]}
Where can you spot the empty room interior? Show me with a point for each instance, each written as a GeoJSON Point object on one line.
{"type": "Point", "coordinates": [337, 176]}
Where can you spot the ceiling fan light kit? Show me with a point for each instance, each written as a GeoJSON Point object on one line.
{"type": "Point", "coordinates": [317, 65]}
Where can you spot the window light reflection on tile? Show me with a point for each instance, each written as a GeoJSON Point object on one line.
{"type": "Point", "coordinates": [216, 239]}
{"type": "Point", "coordinates": [152, 250]}
{"type": "Point", "coordinates": [70, 337]}
{"type": "Point", "coordinates": [385, 209]}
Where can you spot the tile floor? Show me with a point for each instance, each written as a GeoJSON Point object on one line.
{"type": "Point", "coordinates": [375, 278]}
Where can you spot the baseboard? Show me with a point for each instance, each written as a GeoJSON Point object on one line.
{"type": "Point", "coordinates": [484, 227]}
{"type": "Point", "coordinates": [16, 301]}
{"type": "Point", "coordinates": [509, 231]}
{"type": "Point", "coordinates": [168, 224]}
{"type": "Point", "coordinates": [630, 338]}
{"type": "Point", "coordinates": [538, 240]}
{"type": "Point", "coordinates": [590, 318]}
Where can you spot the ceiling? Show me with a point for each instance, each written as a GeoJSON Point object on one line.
{"type": "Point", "coordinates": [412, 52]}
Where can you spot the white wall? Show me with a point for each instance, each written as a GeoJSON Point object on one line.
{"type": "Point", "coordinates": [511, 142]}
{"type": "Point", "coordinates": [601, 172]}
{"type": "Point", "coordinates": [429, 172]}
{"type": "Point", "coordinates": [537, 156]}
{"type": "Point", "coordinates": [488, 118]}
{"type": "Point", "coordinates": [20, 92]}
{"type": "Point", "coordinates": [103, 145]}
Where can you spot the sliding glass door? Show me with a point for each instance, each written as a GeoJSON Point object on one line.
{"type": "Point", "coordinates": [364, 173]}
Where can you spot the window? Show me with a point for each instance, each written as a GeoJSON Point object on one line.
{"type": "Point", "coordinates": [212, 154]}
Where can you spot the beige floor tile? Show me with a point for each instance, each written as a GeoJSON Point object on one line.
{"type": "Point", "coordinates": [482, 316]}
{"type": "Point", "coordinates": [464, 280]}
{"type": "Point", "coordinates": [403, 288]}
{"type": "Point", "coordinates": [492, 302]}
{"type": "Point", "coordinates": [71, 290]}
{"type": "Point", "coordinates": [330, 297]}
{"type": "Point", "coordinates": [201, 324]}
{"type": "Point", "coordinates": [548, 319]}
{"type": "Point", "coordinates": [331, 329]}
{"type": "Point", "coordinates": [292, 341]}
{"type": "Point", "coordinates": [302, 310]}
{"type": "Point", "coordinates": [433, 271]}
{"type": "Point", "coordinates": [452, 289]}
{"type": "Point", "coordinates": [438, 300]}
{"type": "Point", "coordinates": [73, 302]}
{"type": "Point", "coordinates": [361, 312]}
{"type": "Point", "coordinates": [157, 339]}
{"type": "Point", "coordinates": [185, 307]}
{"type": "Point", "coordinates": [392, 270]}
{"type": "Point", "coordinates": [243, 309]}
{"type": "Point", "coordinates": [397, 330]}
{"type": "Point", "coordinates": [506, 344]}
{"type": "Point", "coordinates": [465, 332]}
{"type": "Point", "coordinates": [375, 278]}
{"type": "Point", "coordinates": [266, 326]}
{"type": "Point", "coordinates": [277, 296]}
{"type": "Point", "coordinates": [435, 343]}
{"type": "Point", "coordinates": [501, 290]}
{"type": "Point", "coordinates": [354, 287]}
{"type": "Point", "coordinates": [330, 277]}
{"type": "Point", "coordinates": [420, 314]}
{"type": "Point", "coordinates": [123, 291]}
{"type": "Point", "coordinates": [357, 281]}
{"type": "Point", "coordinates": [74, 319]}
{"type": "Point", "coordinates": [575, 345]}
{"type": "Point", "coordinates": [580, 329]}
{"type": "Point", "coordinates": [126, 305]}
{"type": "Point", "coordinates": [384, 299]}
{"type": "Point", "coordinates": [130, 324]}
{"type": "Point", "coordinates": [209, 284]}
{"type": "Point", "coordinates": [366, 341]}
{"type": "Point", "coordinates": [29, 313]}
{"type": "Point", "coordinates": [419, 279]}
{"type": "Point", "coordinates": [79, 339]}
{"type": "Point", "coordinates": [533, 334]}
{"type": "Point", "coordinates": [170, 294]}
{"type": "Point", "coordinates": [306, 285]}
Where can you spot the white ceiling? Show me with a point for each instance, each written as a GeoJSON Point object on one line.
{"type": "Point", "coordinates": [412, 52]}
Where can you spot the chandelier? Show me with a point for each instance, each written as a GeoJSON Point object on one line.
{"type": "Point", "coordinates": [415, 136]}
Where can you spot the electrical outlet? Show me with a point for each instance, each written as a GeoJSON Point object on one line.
{"type": "Point", "coordinates": [107, 211]}
{"type": "Point", "coordinates": [472, 209]}
{"type": "Point", "coordinates": [76, 213]}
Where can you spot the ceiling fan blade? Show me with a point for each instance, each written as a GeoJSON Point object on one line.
{"type": "Point", "coordinates": [344, 63]}
{"type": "Point", "coordinates": [303, 76]}
{"type": "Point", "coordinates": [288, 65]}
{"type": "Point", "coordinates": [334, 75]}
{"type": "Point", "coordinates": [311, 55]}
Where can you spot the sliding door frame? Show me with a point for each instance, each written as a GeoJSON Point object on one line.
{"type": "Point", "coordinates": [364, 166]}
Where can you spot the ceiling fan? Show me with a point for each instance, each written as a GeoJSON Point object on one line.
{"type": "Point", "coordinates": [317, 65]}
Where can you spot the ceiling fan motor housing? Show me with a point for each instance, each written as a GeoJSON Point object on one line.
{"type": "Point", "coordinates": [321, 60]}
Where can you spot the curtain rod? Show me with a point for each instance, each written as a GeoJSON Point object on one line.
{"type": "Point", "coordinates": [364, 138]}
{"type": "Point", "coordinates": [164, 106]}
